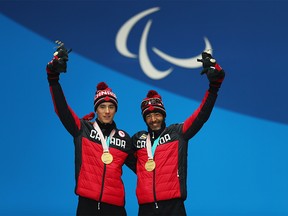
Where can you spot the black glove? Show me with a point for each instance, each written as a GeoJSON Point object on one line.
{"type": "Point", "coordinates": [212, 69]}
{"type": "Point", "coordinates": [59, 62]}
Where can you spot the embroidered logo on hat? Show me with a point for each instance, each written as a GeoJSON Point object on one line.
{"type": "Point", "coordinates": [152, 103]}
{"type": "Point", "coordinates": [104, 94]}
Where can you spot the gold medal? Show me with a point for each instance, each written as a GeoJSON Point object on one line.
{"type": "Point", "coordinates": [150, 165]}
{"type": "Point", "coordinates": [107, 158]}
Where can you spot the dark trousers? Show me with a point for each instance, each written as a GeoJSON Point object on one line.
{"type": "Point", "coordinates": [89, 207]}
{"type": "Point", "coordinates": [174, 207]}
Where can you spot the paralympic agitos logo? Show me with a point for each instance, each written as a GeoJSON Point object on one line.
{"type": "Point", "coordinates": [146, 65]}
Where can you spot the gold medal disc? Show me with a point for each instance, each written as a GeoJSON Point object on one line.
{"type": "Point", "coordinates": [150, 165]}
{"type": "Point", "coordinates": [107, 158]}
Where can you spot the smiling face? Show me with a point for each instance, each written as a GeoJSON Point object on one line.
{"type": "Point", "coordinates": [106, 112]}
{"type": "Point", "coordinates": [154, 120]}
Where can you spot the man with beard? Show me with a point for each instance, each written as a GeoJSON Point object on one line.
{"type": "Point", "coordinates": [160, 154]}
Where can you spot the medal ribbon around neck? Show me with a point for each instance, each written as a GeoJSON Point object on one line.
{"type": "Point", "coordinates": [107, 158]}
{"type": "Point", "coordinates": [151, 150]}
{"type": "Point", "coordinates": [150, 164]}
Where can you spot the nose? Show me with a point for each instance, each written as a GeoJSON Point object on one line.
{"type": "Point", "coordinates": [107, 110]}
{"type": "Point", "coordinates": [153, 117]}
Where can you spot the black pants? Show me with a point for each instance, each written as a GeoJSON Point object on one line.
{"type": "Point", "coordinates": [174, 207]}
{"type": "Point", "coordinates": [89, 207]}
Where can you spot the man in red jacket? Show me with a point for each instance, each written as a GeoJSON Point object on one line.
{"type": "Point", "coordinates": [161, 152]}
{"type": "Point", "coordinates": [100, 147]}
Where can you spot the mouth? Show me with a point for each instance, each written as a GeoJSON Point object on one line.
{"type": "Point", "coordinates": [106, 118]}
{"type": "Point", "coordinates": [154, 125]}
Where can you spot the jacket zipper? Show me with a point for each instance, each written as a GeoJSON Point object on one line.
{"type": "Point", "coordinates": [154, 190]}
{"type": "Point", "coordinates": [154, 183]}
{"type": "Point", "coordinates": [102, 187]}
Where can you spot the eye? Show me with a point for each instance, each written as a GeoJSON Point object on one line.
{"type": "Point", "coordinates": [102, 106]}
{"type": "Point", "coordinates": [148, 116]}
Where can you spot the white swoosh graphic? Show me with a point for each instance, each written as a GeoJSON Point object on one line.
{"type": "Point", "coordinates": [122, 35]}
{"type": "Point", "coordinates": [145, 62]}
{"type": "Point", "coordinates": [181, 62]}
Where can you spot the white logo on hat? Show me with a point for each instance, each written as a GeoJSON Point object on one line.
{"type": "Point", "coordinates": [145, 63]}
{"type": "Point", "coordinates": [104, 92]}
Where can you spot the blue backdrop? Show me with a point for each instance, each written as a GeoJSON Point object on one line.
{"type": "Point", "coordinates": [237, 162]}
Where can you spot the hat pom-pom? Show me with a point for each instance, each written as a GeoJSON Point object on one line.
{"type": "Point", "coordinates": [151, 93]}
{"type": "Point", "coordinates": [102, 86]}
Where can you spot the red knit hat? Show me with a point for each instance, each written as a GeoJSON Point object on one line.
{"type": "Point", "coordinates": [104, 94]}
{"type": "Point", "coordinates": [152, 103]}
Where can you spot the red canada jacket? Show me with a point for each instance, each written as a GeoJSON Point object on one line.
{"type": "Point", "coordinates": [94, 179]}
{"type": "Point", "coordinates": [168, 180]}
